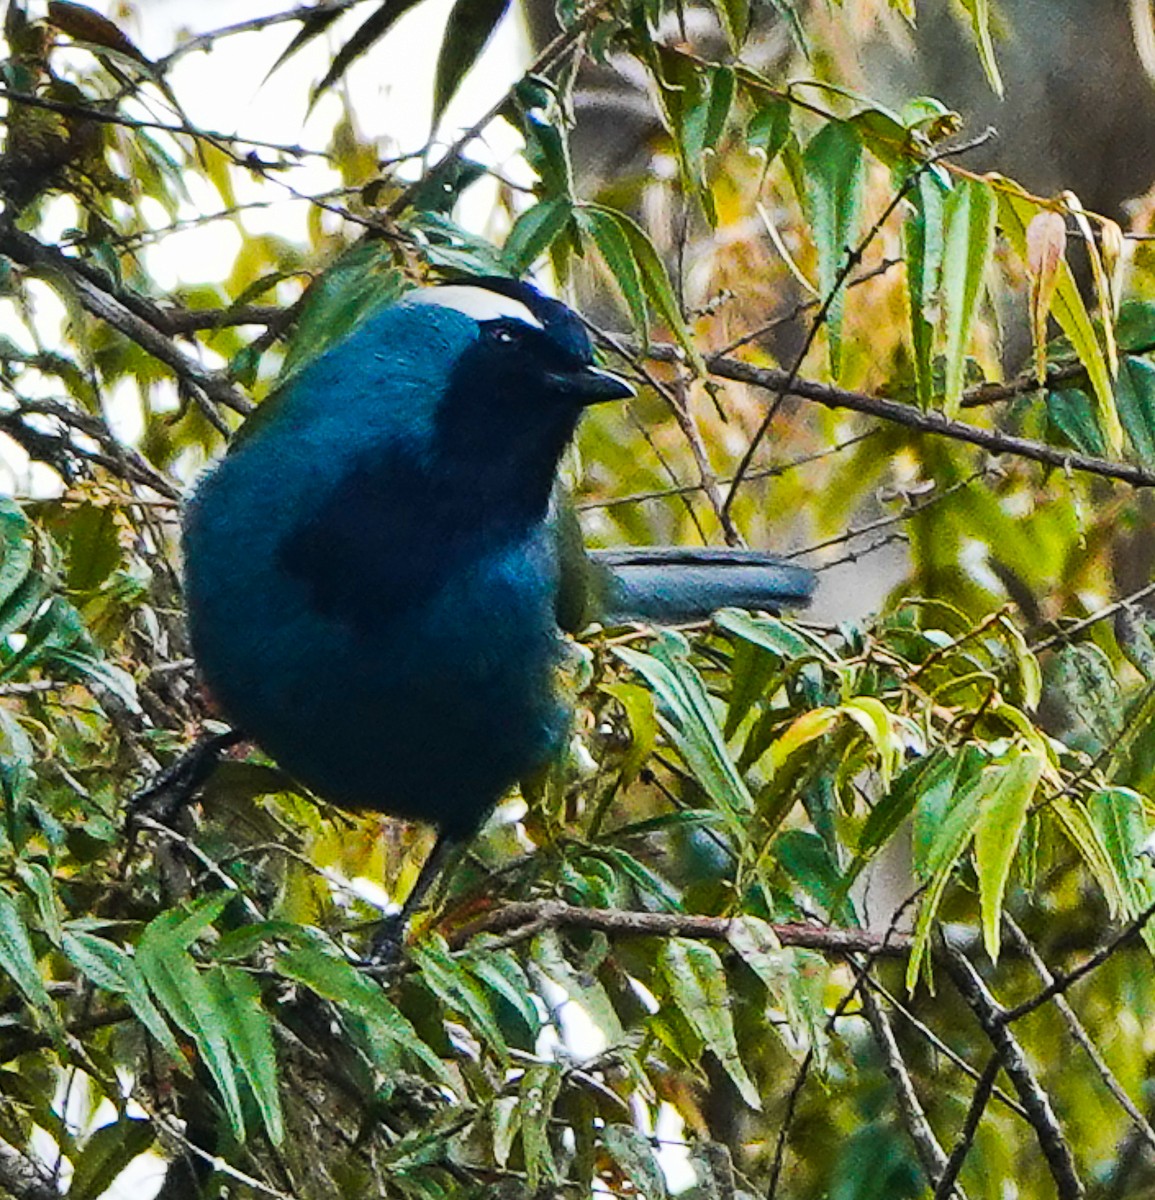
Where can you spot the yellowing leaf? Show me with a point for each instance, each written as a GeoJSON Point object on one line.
{"type": "Point", "coordinates": [1016, 209]}
{"type": "Point", "coordinates": [1046, 247]}
{"type": "Point", "coordinates": [1002, 816]}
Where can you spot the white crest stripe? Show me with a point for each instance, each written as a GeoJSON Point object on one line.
{"type": "Point", "coordinates": [477, 302]}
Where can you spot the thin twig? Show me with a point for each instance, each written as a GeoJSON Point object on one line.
{"type": "Point", "coordinates": [979, 1099]}
{"type": "Point", "coordinates": [930, 1154]}
{"type": "Point", "coordinates": [994, 1020]}
{"type": "Point", "coordinates": [535, 915]}
{"type": "Point", "coordinates": [1075, 1027]}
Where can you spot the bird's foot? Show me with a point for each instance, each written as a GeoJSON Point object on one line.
{"type": "Point", "coordinates": [174, 788]}
{"type": "Point", "coordinates": [388, 941]}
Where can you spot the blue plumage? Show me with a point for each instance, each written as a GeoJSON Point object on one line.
{"type": "Point", "coordinates": [372, 571]}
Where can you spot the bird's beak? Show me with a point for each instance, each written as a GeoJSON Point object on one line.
{"type": "Point", "coordinates": [591, 385]}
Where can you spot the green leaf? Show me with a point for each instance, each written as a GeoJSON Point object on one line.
{"type": "Point", "coordinates": [834, 174]}
{"type": "Point", "coordinates": [459, 992]}
{"type": "Point", "coordinates": [17, 959]}
{"type": "Point", "coordinates": [698, 986]}
{"type": "Point", "coordinates": [602, 225]}
{"type": "Point", "coordinates": [107, 1151]}
{"type": "Point", "coordinates": [643, 721]}
{"type": "Point", "coordinates": [686, 714]}
{"type": "Point", "coordinates": [633, 1152]}
{"type": "Point", "coordinates": [923, 235]}
{"type": "Point", "coordinates": [1135, 398]}
{"type": "Point", "coordinates": [785, 641]}
{"type": "Point", "coordinates": [534, 231]}
{"type": "Point", "coordinates": [501, 972]}
{"type": "Point", "coordinates": [538, 1094]}
{"type": "Point", "coordinates": [359, 283]}
{"type": "Point", "coordinates": [805, 857]}
{"type": "Point", "coordinates": [1119, 816]}
{"type": "Point", "coordinates": [249, 1032]}
{"type": "Point", "coordinates": [734, 16]}
{"type": "Point", "coordinates": [375, 26]}
{"type": "Point", "coordinates": [1072, 414]}
{"type": "Point", "coordinates": [16, 549]}
{"type": "Point", "coordinates": [929, 782]}
{"type": "Point", "coordinates": [337, 980]}
{"type": "Point", "coordinates": [1016, 209]}
{"type": "Point", "coordinates": [969, 242]}
{"type": "Point", "coordinates": [769, 128]}
{"type": "Point", "coordinates": [950, 842]}
{"type": "Point", "coordinates": [872, 717]}
{"type": "Point", "coordinates": [1002, 818]}
{"type": "Point", "coordinates": [110, 968]}
{"type": "Point", "coordinates": [468, 27]}
{"type": "Point", "coordinates": [655, 283]}
{"type": "Point", "coordinates": [183, 992]}
{"type": "Point", "coordinates": [980, 15]}
{"type": "Point", "coordinates": [582, 987]}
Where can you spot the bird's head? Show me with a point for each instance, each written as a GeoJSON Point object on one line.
{"type": "Point", "coordinates": [520, 380]}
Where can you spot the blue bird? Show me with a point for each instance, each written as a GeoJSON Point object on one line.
{"type": "Point", "coordinates": [373, 571]}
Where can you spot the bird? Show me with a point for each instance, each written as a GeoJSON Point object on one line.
{"type": "Point", "coordinates": [378, 571]}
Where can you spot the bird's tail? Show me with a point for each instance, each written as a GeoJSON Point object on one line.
{"type": "Point", "coordinates": [672, 584]}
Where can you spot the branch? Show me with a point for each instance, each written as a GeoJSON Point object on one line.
{"type": "Point", "coordinates": [993, 1019]}
{"type": "Point", "coordinates": [775, 380]}
{"type": "Point", "coordinates": [979, 1100]}
{"type": "Point", "coordinates": [1062, 983]}
{"type": "Point", "coordinates": [97, 296]}
{"type": "Point", "coordinates": [1074, 1025]}
{"type": "Point", "coordinates": [930, 1153]}
{"type": "Point", "coordinates": [525, 919]}
{"type": "Point", "coordinates": [22, 1177]}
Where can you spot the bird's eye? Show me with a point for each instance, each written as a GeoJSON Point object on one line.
{"type": "Point", "coordinates": [505, 334]}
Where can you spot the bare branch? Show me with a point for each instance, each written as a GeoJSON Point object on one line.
{"type": "Point", "coordinates": [930, 1153]}
{"type": "Point", "coordinates": [979, 1099]}
{"type": "Point", "coordinates": [993, 1019]}
{"type": "Point", "coordinates": [1075, 1026]}
{"type": "Point", "coordinates": [527, 918]}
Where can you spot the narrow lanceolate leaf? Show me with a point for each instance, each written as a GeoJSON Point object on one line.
{"type": "Point", "coordinates": [106, 1153]}
{"type": "Point", "coordinates": [833, 170]}
{"type": "Point", "coordinates": [249, 1032]}
{"type": "Point", "coordinates": [969, 242]}
{"type": "Point", "coordinates": [15, 548]}
{"type": "Point", "coordinates": [540, 1086]}
{"type": "Point", "coordinates": [375, 26]}
{"type": "Point", "coordinates": [980, 14]}
{"type": "Point", "coordinates": [17, 959]}
{"type": "Point", "coordinates": [734, 16]}
{"type": "Point", "coordinates": [1120, 819]}
{"type": "Point", "coordinates": [698, 986]}
{"type": "Point", "coordinates": [923, 238]}
{"type": "Point", "coordinates": [601, 224]}
{"type": "Point", "coordinates": [338, 980]}
{"type": "Point", "coordinates": [534, 231]}
{"type": "Point", "coordinates": [1135, 398]}
{"type": "Point", "coordinates": [461, 994]}
{"type": "Point", "coordinates": [111, 968]}
{"type": "Point", "coordinates": [1046, 249]}
{"type": "Point", "coordinates": [1002, 817]}
{"type": "Point", "coordinates": [469, 26]}
{"type": "Point", "coordinates": [871, 716]}
{"type": "Point", "coordinates": [686, 714]}
{"type": "Point", "coordinates": [953, 836]}
{"type": "Point", "coordinates": [1016, 209]}
{"type": "Point", "coordinates": [1104, 285]}
{"type": "Point", "coordinates": [632, 1151]}
{"type": "Point", "coordinates": [180, 989]}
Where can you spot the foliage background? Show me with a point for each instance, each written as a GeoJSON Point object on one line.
{"type": "Point", "coordinates": [849, 906]}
